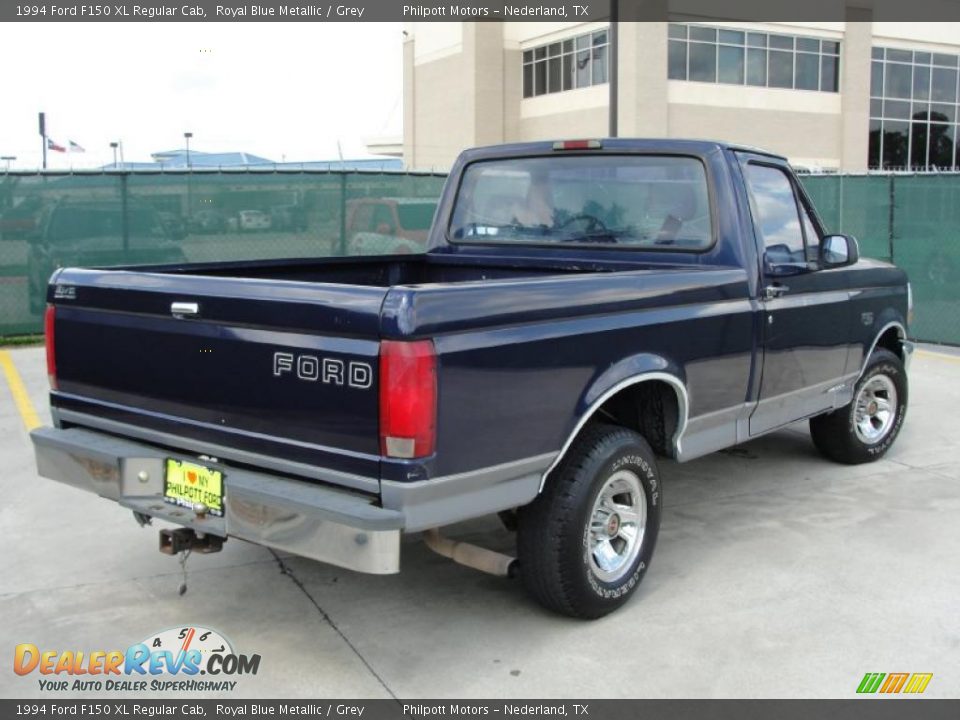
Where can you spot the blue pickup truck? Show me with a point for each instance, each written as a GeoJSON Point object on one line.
{"type": "Point", "coordinates": [585, 310]}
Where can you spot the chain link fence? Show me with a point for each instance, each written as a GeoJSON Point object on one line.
{"type": "Point", "coordinates": [48, 220]}
{"type": "Point", "coordinates": [113, 218]}
{"type": "Point", "coordinates": [912, 220]}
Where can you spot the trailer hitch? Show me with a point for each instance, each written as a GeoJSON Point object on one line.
{"type": "Point", "coordinates": [183, 542]}
{"type": "Point", "coordinates": [174, 541]}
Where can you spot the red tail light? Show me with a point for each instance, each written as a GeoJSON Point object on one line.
{"type": "Point", "coordinates": [49, 322]}
{"type": "Point", "coordinates": [577, 145]}
{"type": "Point", "coordinates": [408, 398]}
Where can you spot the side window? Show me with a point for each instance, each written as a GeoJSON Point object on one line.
{"type": "Point", "coordinates": [810, 231]}
{"type": "Point", "coordinates": [775, 215]}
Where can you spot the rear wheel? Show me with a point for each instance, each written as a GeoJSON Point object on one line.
{"type": "Point", "coordinates": [586, 541]}
{"type": "Point", "coordinates": [864, 430]}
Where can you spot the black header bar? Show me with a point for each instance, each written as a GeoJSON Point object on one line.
{"type": "Point", "coordinates": [186, 707]}
{"type": "Point", "coordinates": [475, 10]}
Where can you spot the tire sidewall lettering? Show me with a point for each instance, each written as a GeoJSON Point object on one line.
{"type": "Point", "coordinates": [884, 444]}
{"type": "Point", "coordinates": [651, 487]}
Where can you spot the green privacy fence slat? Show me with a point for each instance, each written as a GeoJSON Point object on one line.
{"type": "Point", "coordinates": [101, 219]}
{"type": "Point", "coordinates": [49, 220]}
{"type": "Point", "coordinates": [913, 220]}
{"type": "Point", "coordinates": [856, 205]}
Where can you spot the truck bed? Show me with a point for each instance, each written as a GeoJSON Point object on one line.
{"type": "Point", "coordinates": [385, 272]}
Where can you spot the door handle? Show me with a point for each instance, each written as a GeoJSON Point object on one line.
{"type": "Point", "coordinates": [776, 290]}
{"type": "Point", "coordinates": [184, 309]}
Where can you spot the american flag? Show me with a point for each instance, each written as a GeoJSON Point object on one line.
{"type": "Point", "coordinates": [74, 147]}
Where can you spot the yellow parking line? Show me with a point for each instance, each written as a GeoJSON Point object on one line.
{"type": "Point", "coordinates": [939, 356]}
{"type": "Point", "coordinates": [27, 412]}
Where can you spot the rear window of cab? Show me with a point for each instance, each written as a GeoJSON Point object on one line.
{"type": "Point", "coordinates": [650, 202]}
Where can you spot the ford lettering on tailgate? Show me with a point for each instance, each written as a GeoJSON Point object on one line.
{"type": "Point", "coordinates": [326, 370]}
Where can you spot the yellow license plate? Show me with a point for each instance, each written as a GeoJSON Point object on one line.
{"type": "Point", "coordinates": [188, 484]}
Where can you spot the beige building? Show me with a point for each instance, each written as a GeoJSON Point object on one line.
{"type": "Point", "coordinates": [831, 96]}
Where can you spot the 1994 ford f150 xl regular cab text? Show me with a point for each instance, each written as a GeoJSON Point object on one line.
{"type": "Point", "coordinates": [585, 309]}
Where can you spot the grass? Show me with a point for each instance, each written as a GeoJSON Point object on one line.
{"type": "Point", "coordinates": [21, 340]}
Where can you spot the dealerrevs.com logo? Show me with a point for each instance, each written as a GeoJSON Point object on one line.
{"type": "Point", "coordinates": [170, 660]}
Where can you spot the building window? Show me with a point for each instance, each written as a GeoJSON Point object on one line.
{"type": "Point", "coordinates": [739, 57]}
{"type": "Point", "coordinates": [914, 99]}
{"type": "Point", "coordinates": [577, 62]}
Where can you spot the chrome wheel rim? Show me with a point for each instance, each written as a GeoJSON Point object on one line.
{"type": "Point", "coordinates": [617, 524]}
{"type": "Point", "coordinates": [875, 409]}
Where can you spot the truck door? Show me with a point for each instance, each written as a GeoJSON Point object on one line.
{"type": "Point", "coordinates": [806, 311]}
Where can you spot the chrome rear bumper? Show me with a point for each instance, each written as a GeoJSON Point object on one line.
{"type": "Point", "coordinates": [334, 526]}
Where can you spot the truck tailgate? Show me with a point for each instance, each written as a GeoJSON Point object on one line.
{"type": "Point", "coordinates": [268, 368]}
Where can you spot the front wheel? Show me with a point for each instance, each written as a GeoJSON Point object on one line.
{"type": "Point", "coordinates": [585, 543]}
{"type": "Point", "coordinates": [864, 430]}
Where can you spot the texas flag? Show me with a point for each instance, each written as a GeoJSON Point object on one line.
{"type": "Point", "coordinates": [74, 147]}
{"type": "Point", "coordinates": [51, 145]}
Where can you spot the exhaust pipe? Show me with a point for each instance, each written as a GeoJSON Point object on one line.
{"type": "Point", "coordinates": [472, 556]}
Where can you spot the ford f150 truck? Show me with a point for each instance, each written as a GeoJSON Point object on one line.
{"type": "Point", "coordinates": [585, 310]}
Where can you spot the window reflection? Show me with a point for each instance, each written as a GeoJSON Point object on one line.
{"type": "Point", "coordinates": [913, 110]}
{"type": "Point", "coordinates": [736, 57]}
{"type": "Point", "coordinates": [566, 65]}
{"type": "Point", "coordinates": [774, 208]}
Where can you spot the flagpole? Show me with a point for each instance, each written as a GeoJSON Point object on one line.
{"type": "Point", "coordinates": [43, 137]}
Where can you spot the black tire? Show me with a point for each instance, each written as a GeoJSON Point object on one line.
{"type": "Point", "coordinates": [554, 537]}
{"type": "Point", "coordinates": [836, 434]}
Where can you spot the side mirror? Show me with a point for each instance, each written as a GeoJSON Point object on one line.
{"type": "Point", "coordinates": [779, 259]}
{"type": "Point", "coordinates": [838, 251]}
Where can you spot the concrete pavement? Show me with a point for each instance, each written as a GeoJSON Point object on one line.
{"type": "Point", "coordinates": [777, 574]}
